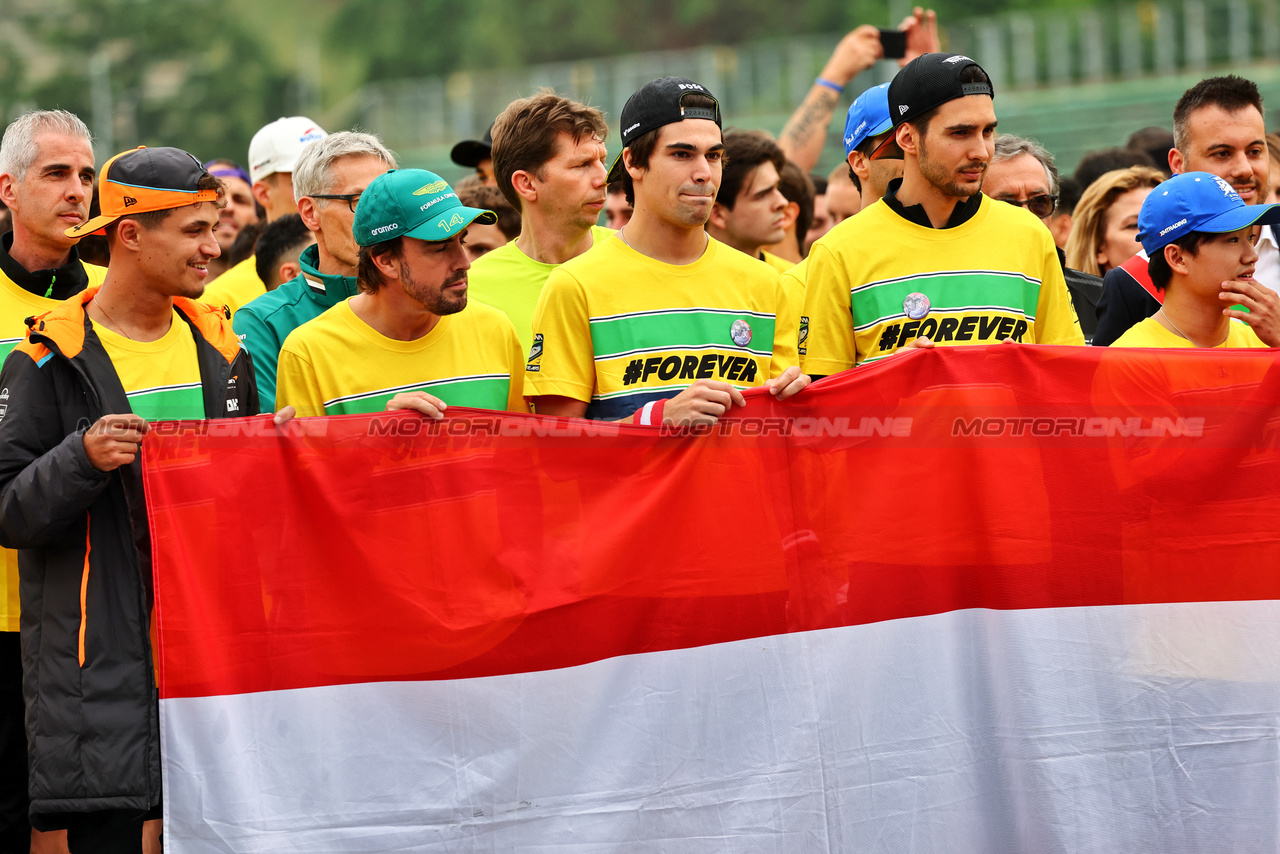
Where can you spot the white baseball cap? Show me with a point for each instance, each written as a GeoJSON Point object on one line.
{"type": "Point", "coordinates": [276, 147]}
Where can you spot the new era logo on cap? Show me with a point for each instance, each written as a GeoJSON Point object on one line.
{"type": "Point", "coordinates": [902, 108]}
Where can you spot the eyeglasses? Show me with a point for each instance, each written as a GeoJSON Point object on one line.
{"type": "Point", "coordinates": [349, 198]}
{"type": "Point", "coordinates": [1041, 205]}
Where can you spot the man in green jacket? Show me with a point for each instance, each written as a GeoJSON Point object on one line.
{"type": "Point", "coordinates": [327, 182]}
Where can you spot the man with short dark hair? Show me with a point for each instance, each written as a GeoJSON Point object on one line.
{"type": "Point", "coordinates": [1195, 230]}
{"type": "Point", "coordinates": [481, 237]}
{"type": "Point", "coordinates": [46, 181]}
{"type": "Point", "coordinates": [409, 339]}
{"type": "Point", "coordinates": [750, 210]}
{"type": "Point", "coordinates": [934, 259]}
{"type": "Point", "coordinates": [549, 163]}
{"type": "Point", "coordinates": [844, 197]}
{"type": "Point", "coordinates": [79, 394]}
{"type": "Point", "coordinates": [279, 246]}
{"type": "Point", "coordinates": [1217, 128]}
{"type": "Point", "coordinates": [329, 177]}
{"type": "Point", "coordinates": [617, 210]}
{"type": "Point", "coordinates": [797, 188]}
{"type": "Point", "coordinates": [1023, 174]}
{"type": "Point", "coordinates": [696, 321]}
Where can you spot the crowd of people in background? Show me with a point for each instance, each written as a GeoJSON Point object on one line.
{"type": "Point", "coordinates": [649, 272]}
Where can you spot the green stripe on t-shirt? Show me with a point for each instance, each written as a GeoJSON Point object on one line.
{"type": "Point", "coordinates": [612, 337]}
{"type": "Point", "coordinates": [175, 403]}
{"type": "Point", "coordinates": [477, 393]}
{"type": "Point", "coordinates": [6, 347]}
{"type": "Point", "coordinates": [946, 291]}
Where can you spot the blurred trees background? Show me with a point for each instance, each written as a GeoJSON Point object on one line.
{"type": "Point", "coordinates": [205, 75]}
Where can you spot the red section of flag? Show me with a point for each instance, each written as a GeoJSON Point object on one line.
{"type": "Point", "coordinates": [371, 548]}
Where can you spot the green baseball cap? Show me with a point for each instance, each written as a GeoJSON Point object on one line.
{"type": "Point", "coordinates": [413, 203]}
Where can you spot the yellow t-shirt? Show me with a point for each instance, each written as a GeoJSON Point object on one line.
{"type": "Point", "coordinates": [618, 329]}
{"type": "Point", "coordinates": [235, 287]}
{"type": "Point", "coordinates": [782, 265]}
{"type": "Point", "coordinates": [793, 282]}
{"type": "Point", "coordinates": [337, 364]}
{"type": "Point", "coordinates": [16, 305]}
{"type": "Point", "coordinates": [877, 281]}
{"type": "Point", "coordinates": [161, 378]}
{"type": "Point", "coordinates": [1150, 333]}
{"type": "Point", "coordinates": [510, 280]}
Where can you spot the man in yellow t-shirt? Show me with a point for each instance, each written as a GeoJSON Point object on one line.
{"type": "Point", "coordinates": [549, 163]}
{"type": "Point", "coordinates": [661, 322]}
{"type": "Point", "coordinates": [77, 395]}
{"type": "Point", "coordinates": [1197, 233]}
{"type": "Point", "coordinates": [750, 211]}
{"type": "Point", "coordinates": [46, 180]}
{"type": "Point", "coordinates": [933, 259]}
{"type": "Point", "coordinates": [409, 339]}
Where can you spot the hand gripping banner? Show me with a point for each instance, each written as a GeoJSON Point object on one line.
{"type": "Point", "coordinates": [996, 599]}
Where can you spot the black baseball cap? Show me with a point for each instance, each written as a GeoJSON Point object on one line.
{"type": "Point", "coordinates": [470, 152]}
{"type": "Point", "coordinates": [926, 82]}
{"type": "Point", "coordinates": [659, 103]}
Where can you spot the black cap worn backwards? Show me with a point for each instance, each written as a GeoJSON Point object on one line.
{"type": "Point", "coordinates": [926, 82]}
{"type": "Point", "coordinates": [660, 103]}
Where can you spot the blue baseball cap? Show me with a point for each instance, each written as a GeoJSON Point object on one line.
{"type": "Point", "coordinates": [1196, 201]}
{"type": "Point", "coordinates": [414, 203]}
{"type": "Point", "coordinates": [868, 117]}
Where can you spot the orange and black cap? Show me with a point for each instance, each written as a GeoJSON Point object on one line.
{"type": "Point", "coordinates": [146, 179]}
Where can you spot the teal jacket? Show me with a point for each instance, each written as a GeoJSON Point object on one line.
{"type": "Point", "coordinates": [265, 322]}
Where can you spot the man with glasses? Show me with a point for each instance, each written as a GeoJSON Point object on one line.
{"type": "Point", "coordinates": [330, 176]}
{"type": "Point", "coordinates": [273, 155]}
{"type": "Point", "coordinates": [1022, 173]}
{"type": "Point", "coordinates": [934, 259]}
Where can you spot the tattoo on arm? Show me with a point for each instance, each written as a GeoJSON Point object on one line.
{"type": "Point", "coordinates": [813, 115]}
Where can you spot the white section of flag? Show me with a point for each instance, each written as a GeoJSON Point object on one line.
{"type": "Point", "coordinates": [1101, 729]}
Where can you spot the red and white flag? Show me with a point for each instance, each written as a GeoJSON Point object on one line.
{"type": "Point", "coordinates": [1000, 599]}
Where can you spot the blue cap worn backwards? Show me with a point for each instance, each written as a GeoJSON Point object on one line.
{"type": "Point", "coordinates": [868, 117]}
{"type": "Point", "coordinates": [1196, 201]}
{"type": "Point", "coordinates": [414, 203]}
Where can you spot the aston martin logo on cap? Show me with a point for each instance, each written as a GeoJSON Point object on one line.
{"type": "Point", "coordinates": [433, 187]}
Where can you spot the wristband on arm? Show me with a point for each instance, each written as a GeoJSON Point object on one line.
{"type": "Point", "coordinates": [650, 414]}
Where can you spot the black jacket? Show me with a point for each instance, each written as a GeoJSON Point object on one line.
{"type": "Point", "coordinates": [1085, 289]}
{"type": "Point", "coordinates": [84, 559]}
{"type": "Point", "coordinates": [1124, 303]}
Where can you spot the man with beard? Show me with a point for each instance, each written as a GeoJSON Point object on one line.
{"type": "Point", "coordinates": [934, 259]}
{"type": "Point", "coordinates": [329, 177]}
{"type": "Point", "coordinates": [1217, 128]}
{"type": "Point", "coordinates": [408, 340]}
{"type": "Point", "coordinates": [662, 322]}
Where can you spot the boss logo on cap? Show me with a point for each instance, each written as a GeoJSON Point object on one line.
{"type": "Point", "coordinates": [383, 229]}
{"type": "Point", "coordinates": [129, 201]}
{"type": "Point", "coordinates": [434, 187]}
{"type": "Point", "coordinates": [690, 86]}
{"type": "Point", "coordinates": [957, 58]}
